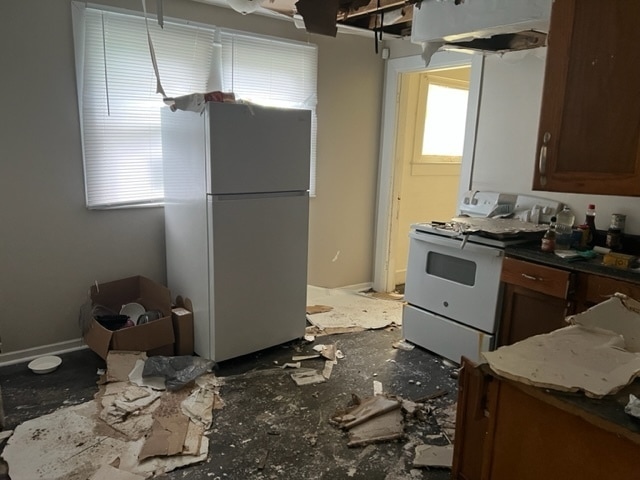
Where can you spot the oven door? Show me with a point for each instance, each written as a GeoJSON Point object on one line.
{"type": "Point", "coordinates": [462, 284]}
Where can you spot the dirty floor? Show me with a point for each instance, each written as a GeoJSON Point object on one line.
{"type": "Point", "coordinates": [270, 428]}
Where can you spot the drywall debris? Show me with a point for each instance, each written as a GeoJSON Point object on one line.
{"type": "Point", "coordinates": [328, 368]}
{"type": "Point", "coordinates": [377, 387]}
{"type": "Point", "coordinates": [135, 377]}
{"type": "Point", "coordinates": [314, 309]}
{"type": "Point", "coordinates": [120, 364]}
{"type": "Point", "coordinates": [403, 345]}
{"type": "Point", "coordinates": [327, 351]}
{"type": "Point", "coordinates": [307, 377]}
{"type": "Point", "coordinates": [291, 365]}
{"type": "Point", "coordinates": [433, 456]}
{"type": "Point", "coordinates": [300, 358]}
{"type": "Point", "coordinates": [633, 407]}
{"type": "Point", "coordinates": [107, 472]}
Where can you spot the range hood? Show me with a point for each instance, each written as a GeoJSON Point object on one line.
{"type": "Point", "coordinates": [480, 25]}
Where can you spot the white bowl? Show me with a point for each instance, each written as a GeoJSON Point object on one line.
{"type": "Point", "coordinates": [133, 310]}
{"type": "Point", "coordinates": [45, 364]}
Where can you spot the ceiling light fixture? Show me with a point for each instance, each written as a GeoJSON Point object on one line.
{"type": "Point", "coordinates": [244, 6]}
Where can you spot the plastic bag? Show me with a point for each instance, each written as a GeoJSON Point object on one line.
{"type": "Point", "coordinates": [177, 371]}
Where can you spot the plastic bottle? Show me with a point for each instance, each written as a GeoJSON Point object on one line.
{"type": "Point", "coordinates": [549, 238]}
{"type": "Point", "coordinates": [564, 228]}
{"type": "Point", "coordinates": [590, 221]}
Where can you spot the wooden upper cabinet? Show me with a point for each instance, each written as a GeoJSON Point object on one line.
{"type": "Point", "coordinates": [589, 135]}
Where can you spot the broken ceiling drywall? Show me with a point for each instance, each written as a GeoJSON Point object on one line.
{"type": "Point", "coordinates": [352, 309]}
{"type": "Point", "coordinates": [569, 359]}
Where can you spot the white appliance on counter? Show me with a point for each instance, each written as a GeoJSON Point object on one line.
{"type": "Point", "coordinates": [452, 289]}
{"type": "Point", "coordinates": [236, 223]}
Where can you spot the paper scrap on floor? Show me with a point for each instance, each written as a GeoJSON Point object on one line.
{"type": "Point", "coordinates": [352, 309]}
{"type": "Point", "coordinates": [598, 354]}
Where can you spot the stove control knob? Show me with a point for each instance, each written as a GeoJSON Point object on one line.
{"type": "Point", "coordinates": [446, 304]}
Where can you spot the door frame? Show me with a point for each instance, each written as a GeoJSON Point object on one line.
{"type": "Point", "coordinates": [386, 208]}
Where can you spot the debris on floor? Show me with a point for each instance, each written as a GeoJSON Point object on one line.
{"type": "Point", "coordinates": [307, 377]}
{"type": "Point", "coordinates": [352, 310]}
{"type": "Point", "coordinates": [403, 345]}
{"type": "Point", "coordinates": [127, 432]}
{"type": "Point", "coordinates": [433, 456]}
{"type": "Point", "coordinates": [375, 419]}
{"type": "Point", "coordinates": [313, 309]}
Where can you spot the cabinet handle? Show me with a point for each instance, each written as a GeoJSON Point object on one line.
{"type": "Point", "coordinates": [542, 159]}
{"type": "Point", "coordinates": [531, 277]}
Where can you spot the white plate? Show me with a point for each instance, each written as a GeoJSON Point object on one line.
{"type": "Point", "coordinates": [45, 364]}
{"type": "Point", "coordinates": [132, 310]}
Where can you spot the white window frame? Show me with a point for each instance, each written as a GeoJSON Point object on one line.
{"type": "Point", "coordinates": [211, 78]}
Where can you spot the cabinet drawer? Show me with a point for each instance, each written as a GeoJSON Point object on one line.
{"type": "Point", "coordinates": [539, 278]}
{"type": "Point", "coordinates": [597, 289]}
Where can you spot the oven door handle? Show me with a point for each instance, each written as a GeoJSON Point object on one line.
{"type": "Point", "coordinates": [454, 243]}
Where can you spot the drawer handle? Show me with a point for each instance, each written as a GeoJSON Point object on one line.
{"type": "Point", "coordinates": [531, 277]}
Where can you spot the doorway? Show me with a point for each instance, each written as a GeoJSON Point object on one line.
{"type": "Point", "coordinates": [413, 185]}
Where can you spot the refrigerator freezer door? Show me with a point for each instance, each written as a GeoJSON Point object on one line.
{"type": "Point", "coordinates": [259, 272]}
{"type": "Point", "coordinates": [256, 149]}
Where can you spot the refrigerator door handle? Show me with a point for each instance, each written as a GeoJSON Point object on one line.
{"type": "Point", "coordinates": [248, 196]}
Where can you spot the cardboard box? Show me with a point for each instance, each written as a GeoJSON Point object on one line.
{"type": "Point", "coordinates": [182, 316]}
{"type": "Point", "coordinates": [155, 337]}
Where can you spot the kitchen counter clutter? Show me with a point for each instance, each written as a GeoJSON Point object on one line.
{"type": "Point", "coordinates": [531, 252]}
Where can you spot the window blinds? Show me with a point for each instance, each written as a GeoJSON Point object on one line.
{"type": "Point", "coordinates": [120, 109]}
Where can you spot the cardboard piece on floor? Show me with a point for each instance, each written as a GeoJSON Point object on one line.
{"type": "Point", "coordinates": [569, 359]}
{"type": "Point", "coordinates": [107, 472]}
{"type": "Point", "coordinates": [121, 363]}
{"type": "Point", "coordinates": [433, 456]}
{"type": "Point", "coordinates": [169, 428]}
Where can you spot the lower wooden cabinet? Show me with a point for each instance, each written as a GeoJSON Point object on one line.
{"type": "Point", "coordinates": [536, 299]}
{"type": "Point", "coordinates": [506, 430]}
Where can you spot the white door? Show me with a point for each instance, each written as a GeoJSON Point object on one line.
{"type": "Point", "coordinates": [390, 176]}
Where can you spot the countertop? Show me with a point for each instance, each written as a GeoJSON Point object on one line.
{"type": "Point", "coordinates": [531, 252]}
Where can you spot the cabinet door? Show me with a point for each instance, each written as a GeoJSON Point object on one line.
{"type": "Point", "coordinates": [526, 313]}
{"type": "Point", "coordinates": [589, 135]}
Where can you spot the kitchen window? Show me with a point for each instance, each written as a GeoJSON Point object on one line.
{"type": "Point", "coordinates": [120, 109]}
{"type": "Point", "coordinates": [441, 116]}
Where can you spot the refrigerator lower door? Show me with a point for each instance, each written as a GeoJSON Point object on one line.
{"type": "Point", "coordinates": [258, 271]}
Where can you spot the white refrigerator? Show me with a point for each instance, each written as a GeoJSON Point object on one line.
{"type": "Point", "coordinates": [236, 182]}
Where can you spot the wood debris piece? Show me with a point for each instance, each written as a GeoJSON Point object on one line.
{"type": "Point", "coordinates": [433, 456]}
{"type": "Point", "coordinates": [313, 309]}
{"type": "Point", "coordinates": [432, 396]}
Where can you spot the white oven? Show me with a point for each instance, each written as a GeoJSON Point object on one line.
{"type": "Point", "coordinates": [452, 295]}
{"type": "Point", "coordinates": [452, 288]}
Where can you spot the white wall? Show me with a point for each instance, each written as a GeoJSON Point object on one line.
{"type": "Point", "coordinates": [52, 248]}
{"type": "Point", "coordinates": [507, 132]}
